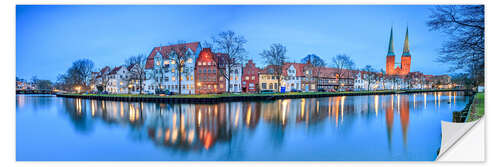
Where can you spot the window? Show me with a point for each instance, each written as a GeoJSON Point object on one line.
{"type": "Point", "coordinates": [173, 69]}
{"type": "Point", "coordinates": [199, 63]}
{"type": "Point", "coordinates": [173, 78]}
{"type": "Point", "coordinates": [246, 78]}
{"type": "Point", "coordinates": [253, 77]}
{"type": "Point", "coordinates": [264, 86]}
{"type": "Point", "coordinates": [190, 60]}
{"type": "Point", "coordinates": [204, 63]}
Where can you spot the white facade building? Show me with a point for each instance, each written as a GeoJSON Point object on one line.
{"type": "Point", "coordinates": [161, 69]}
{"type": "Point", "coordinates": [291, 80]}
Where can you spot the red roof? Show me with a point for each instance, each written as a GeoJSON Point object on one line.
{"type": "Point", "coordinates": [104, 70]}
{"type": "Point", "coordinates": [206, 55]}
{"type": "Point", "coordinates": [115, 70]}
{"type": "Point", "coordinates": [164, 50]}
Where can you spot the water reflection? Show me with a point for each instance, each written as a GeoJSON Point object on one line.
{"type": "Point", "coordinates": [191, 128]}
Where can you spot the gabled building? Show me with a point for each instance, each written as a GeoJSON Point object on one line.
{"type": "Point", "coordinates": [208, 78]}
{"type": "Point", "coordinates": [118, 80]}
{"type": "Point", "coordinates": [234, 82]}
{"type": "Point", "coordinates": [250, 78]}
{"type": "Point", "coordinates": [161, 68]}
{"type": "Point", "coordinates": [292, 73]}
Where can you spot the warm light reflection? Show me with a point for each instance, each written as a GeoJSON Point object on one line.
{"type": "Point", "coordinates": [190, 126]}
{"type": "Point", "coordinates": [376, 105]}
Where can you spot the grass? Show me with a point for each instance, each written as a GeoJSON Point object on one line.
{"type": "Point", "coordinates": [477, 107]}
{"type": "Point", "coordinates": [249, 95]}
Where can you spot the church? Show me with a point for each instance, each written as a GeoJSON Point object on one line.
{"type": "Point", "coordinates": [394, 68]}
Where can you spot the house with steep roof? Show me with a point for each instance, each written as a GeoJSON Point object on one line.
{"type": "Point", "coordinates": [250, 78]}
{"type": "Point", "coordinates": [162, 72]}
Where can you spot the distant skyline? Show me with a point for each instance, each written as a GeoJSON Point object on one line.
{"type": "Point", "coordinates": [49, 38]}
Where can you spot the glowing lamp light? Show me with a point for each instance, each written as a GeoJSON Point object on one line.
{"type": "Point", "coordinates": [78, 88]}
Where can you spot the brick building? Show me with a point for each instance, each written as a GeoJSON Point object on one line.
{"type": "Point", "coordinates": [394, 68]}
{"type": "Point", "coordinates": [250, 78]}
{"type": "Point", "coordinates": [208, 78]}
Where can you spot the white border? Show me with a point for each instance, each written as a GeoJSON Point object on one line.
{"type": "Point", "coordinates": [7, 70]}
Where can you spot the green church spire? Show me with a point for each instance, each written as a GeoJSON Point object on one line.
{"type": "Point", "coordinates": [406, 49]}
{"type": "Point", "coordinates": [390, 52]}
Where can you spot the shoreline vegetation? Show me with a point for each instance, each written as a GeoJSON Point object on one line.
{"type": "Point", "coordinates": [477, 108]}
{"type": "Point", "coordinates": [214, 98]}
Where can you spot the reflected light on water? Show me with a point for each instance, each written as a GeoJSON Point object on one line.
{"type": "Point", "coordinates": [376, 104]}
{"type": "Point", "coordinates": [190, 129]}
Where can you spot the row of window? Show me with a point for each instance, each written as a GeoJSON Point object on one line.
{"type": "Point", "coordinates": [172, 87]}
{"type": "Point", "coordinates": [165, 79]}
{"type": "Point", "coordinates": [166, 62]}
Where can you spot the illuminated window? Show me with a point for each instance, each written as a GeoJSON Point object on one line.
{"type": "Point", "coordinates": [173, 78]}
{"type": "Point", "coordinates": [121, 83]}
{"type": "Point", "coordinates": [157, 63]}
{"type": "Point", "coordinates": [190, 60]}
{"type": "Point", "coordinates": [165, 62]}
{"type": "Point", "coordinates": [204, 63]}
{"type": "Point", "coordinates": [253, 77]}
{"type": "Point", "coordinates": [246, 78]}
{"type": "Point", "coordinates": [173, 69]}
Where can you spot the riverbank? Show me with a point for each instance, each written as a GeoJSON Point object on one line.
{"type": "Point", "coordinates": [215, 98]}
{"type": "Point", "coordinates": [477, 108]}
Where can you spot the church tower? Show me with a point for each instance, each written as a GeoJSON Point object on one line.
{"type": "Point", "coordinates": [406, 57]}
{"type": "Point", "coordinates": [390, 59]}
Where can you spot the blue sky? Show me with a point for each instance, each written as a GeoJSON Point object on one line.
{"type": "Point", "coordinates": [50, 38]}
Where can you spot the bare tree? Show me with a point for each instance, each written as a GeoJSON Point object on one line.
{"type": "Point", "coordinates": [232, 47]}
{"type": "Point", "coordinates": [275, 57]}
{"type": "Point", "coordinates": [371, 75]}
{"type": "Point", "coordinates": [137, 66]}
{"type": "Point", "coordinates": [465, 46]}
{"type": "Point", "coordinates": [317, 64]}
{"type": "Point", "coordinates": [343, 63]}
{"type": "Point", "coordinates": [180, 55]}
{"type": "Point", "coordinates": [79, 74]}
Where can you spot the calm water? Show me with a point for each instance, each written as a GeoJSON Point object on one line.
{"type": "Point", "coordinates": [388, 127]}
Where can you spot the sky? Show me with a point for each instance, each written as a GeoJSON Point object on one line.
{"type": "Point", "coordinates": [49, 38]}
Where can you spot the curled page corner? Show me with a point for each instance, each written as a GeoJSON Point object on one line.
{"type": "Point", "coordinates": [451, 134]}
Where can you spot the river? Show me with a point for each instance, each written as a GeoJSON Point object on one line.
{"type": "Point", "coordinates": [401, 127]}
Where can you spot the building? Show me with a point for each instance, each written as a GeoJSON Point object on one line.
{"type": "Point", "coordinates": [394, 68]}
{"type": "Point", "coordinates": [292, 73]}
{"type": "Point", "coordinates": [118, 80]}
{"type": "Point", "coordinates": [233, 76]}
{"type": "Point", "coordinates": [161, 68]}
{"type": "Point", "coordinates": [208, 79]}
{"type": "Point", "coordinates": [268, 80]}
{"type": "Point", "coordinates": [250, 78]}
